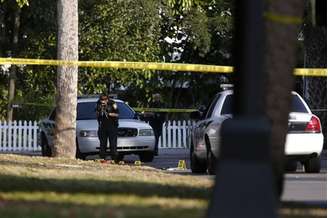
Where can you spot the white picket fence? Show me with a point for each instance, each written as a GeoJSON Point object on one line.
{"type": "Point", "coordinates": [22, 136]}
{"type": "Point", "coordinates": [175, 134]}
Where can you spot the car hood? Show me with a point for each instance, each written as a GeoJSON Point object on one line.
{"type": "Point", "coordinates": [123, 123]}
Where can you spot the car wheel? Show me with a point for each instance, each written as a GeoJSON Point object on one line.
{"type": "Point", "coordinates": [291, 166]}
{"type": "Point", "coordinates": [211, 163]}
{"type": "Point", "coordinates": [45, 148]}
{"type": "Point", "coordinates": [210, 158]}
{"type": "Point", "coordinates": [312, 165]}
{"type": "Point", "coordinates": [146, 156]}
{"type": "Point", "coordinates": [78, 154]}
{"type": "Point", "coordinates": [195, 164]}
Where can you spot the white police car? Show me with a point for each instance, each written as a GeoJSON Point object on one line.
{"type": "Point", "coordinates": [304, 141]}
{"type": "Point", "coordinates": [134, 136]}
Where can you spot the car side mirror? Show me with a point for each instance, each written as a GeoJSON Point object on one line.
{"type": "Point", "coordinates": [139, 116]}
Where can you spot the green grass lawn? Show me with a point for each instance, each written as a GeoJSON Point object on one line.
{"type": "Point", "coordinates": [47, 187]}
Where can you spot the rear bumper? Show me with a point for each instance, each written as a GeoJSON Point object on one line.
{"type": "Point", "coordinates": [128, 145]}
{"type": "Point", "coordinates": [304, 144]}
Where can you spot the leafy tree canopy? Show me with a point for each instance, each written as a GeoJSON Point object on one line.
{"type": "Point", "coordinates": [187, 31]}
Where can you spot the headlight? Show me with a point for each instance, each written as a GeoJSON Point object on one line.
{"type": "Point", "coordinates": [88, 133]}
{"type": "Point", "coordinates": [146, 132]}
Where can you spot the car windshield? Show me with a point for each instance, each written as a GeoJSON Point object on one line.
{"type": "Point", "coordinates": [86, 111]}
{"type": "Point", "coordinates": [297, 105]}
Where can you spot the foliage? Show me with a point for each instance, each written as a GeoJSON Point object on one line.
{"type": "Point", "coordinates": [126, 31]}
{"type": "Point", "coordinates": [199, 34]}
{"type": "Point", "coordinates": [129, 30]}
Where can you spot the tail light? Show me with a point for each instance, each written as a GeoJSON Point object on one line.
{"type": "Point", "coordinates": [313, 125]}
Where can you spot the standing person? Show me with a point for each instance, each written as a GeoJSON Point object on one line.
{"type": "Point", "coordinates": [156, 119]}
{"type": "Point", "coordinates": [107, 116]}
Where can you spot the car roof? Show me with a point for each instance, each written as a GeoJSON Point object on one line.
{"type": "Point", "coordinates": [230, 91]}
{"type": "Point", "coordinates": [226, 92]}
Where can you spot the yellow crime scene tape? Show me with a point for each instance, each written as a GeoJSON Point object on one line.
{"type": "Point", "coordinates": [310, 72]}
{"type": "Point", "coordinates": [122, 65]}
{"type": "Point", "coordinates": [148, 66]}
{"type": "Point", "coordinates": [283, 19]}
{"type": "Point", "coordinates": [138, 109]}
{"type": "Point", "coordinates": [170, 110]}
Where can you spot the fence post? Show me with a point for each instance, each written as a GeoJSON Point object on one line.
{"type": "Point", "coordinates": [174, 134]}
{"type": "Point", "coordinates": [19, 145]}
{"type": "Point", "coordinates": [169, 134]}
{"type": "Point", "coordinates": [178, 135]}
{"type": "Point", "coordinates": [29, 136]}
{"type": "Point", "coordinates": [5, 142]}
{"type": "Point", "coordinates": [35, 136]}
{"type": "Point", "coordinates": [164, 132]}
{"type": "Point", "coordinates": [10, 142]}
{"type": "Point", "coordinates": [24, 135]}
{"type": "Point", "coordinates": [14, 130]}
{"type": "Point", "coordinates": [184, 135]}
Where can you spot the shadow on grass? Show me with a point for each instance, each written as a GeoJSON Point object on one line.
{"type": "Point", "coordinates": [10, 183]}
{"type": "Point", "coordinates": [18, 209]}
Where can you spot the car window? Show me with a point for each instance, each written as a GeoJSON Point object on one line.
{"type": "Point", "coordinates": [297, 105]}
{"type": "Point", "coordinates": [87, 111]}
{"type": "Point", "coordinates": [212, 106]}
{"type": "Point", "coordinates": [227, 105]}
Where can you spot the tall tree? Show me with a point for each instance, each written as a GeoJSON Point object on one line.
{"type": "Point", "coordinates": [12, 76]}
{"type": "Point", "coordinates": [67, 77]}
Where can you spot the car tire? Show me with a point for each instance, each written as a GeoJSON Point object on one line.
{"type": "Point", "coordinates": [195, 164]}
{"type": "Point", "coordinates": [312, 165]}
{"type": "Point", "coordinates": [45, 148]}
{"type": "Point", "coordinates": [210, 158]}
{"type": "Point", "coordinates": [146, 156]}
{"type": "Point", "coordinates": [291, 166]}
{"type": "Point", "coordinates": [79, 154]}
{"type": "Point", "coordinates": [211, 163]}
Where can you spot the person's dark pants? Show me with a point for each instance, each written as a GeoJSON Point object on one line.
{"type": "Point", "coordinates": [106, 133]}
{"type": "Point", "coordinates": [158, 133]}
{"type": "Point", "coordinates": [157, 127]}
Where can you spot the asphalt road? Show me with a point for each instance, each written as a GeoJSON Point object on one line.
{"type": "Point", "coordinates": [299, 187]}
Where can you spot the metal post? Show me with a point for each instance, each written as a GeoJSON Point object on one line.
{"type": "Point", "coordinates": [244, 180]}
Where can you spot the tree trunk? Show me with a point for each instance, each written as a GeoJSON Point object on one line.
{"type": "Point", "coordinates": [280, 62]}
{"type": "Point", "coordinates": [66, 101]}
{"type": "Point", "coordinates": [13, 69]}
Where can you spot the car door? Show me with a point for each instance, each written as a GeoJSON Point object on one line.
{"type": "Point", "coordinates": [200, 127]}
{"type": "Point", "coordinates": [221, 112]}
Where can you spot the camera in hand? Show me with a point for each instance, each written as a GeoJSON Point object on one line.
{"type": "Point", "coordinates": [103, 108]}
